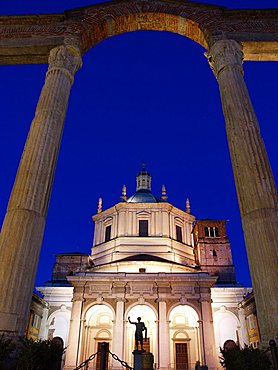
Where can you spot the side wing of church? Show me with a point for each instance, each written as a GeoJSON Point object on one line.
{"type": "Point", "coordinates": [152, 260]}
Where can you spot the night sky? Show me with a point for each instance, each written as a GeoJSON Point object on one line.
{"type": "Point", "coordinates": [140, 96]}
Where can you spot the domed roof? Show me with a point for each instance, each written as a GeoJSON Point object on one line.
{"type": "Point", "coordinates": [143, 196]}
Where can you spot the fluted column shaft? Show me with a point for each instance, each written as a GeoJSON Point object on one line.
{"type": "Point", "coordinates": [254, 181]}
{"type": "Point", "coordinates": [23, 226]}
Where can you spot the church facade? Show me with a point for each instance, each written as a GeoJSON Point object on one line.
{"type": "Point", "coordinates": [152, 260]}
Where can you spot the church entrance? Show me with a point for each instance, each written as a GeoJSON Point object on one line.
{"type": "Point", "coordinates": [98, 356]}
{"type": "Point", "coordinates": [184, 333]}
{"type": "Point", "coordinates": [181, 356]}
{"type": "Point", "coordinates": [148, 316]}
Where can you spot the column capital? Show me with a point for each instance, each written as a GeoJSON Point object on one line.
{"type": "Point", "coordinates": [120, 299]}
{"type": "Point", "coordinates": [65, 57]}
{"type": "Point", "coordinates": [225, 53]}
{"type": "Point", "coordinates": [160, 300]}
{"type": "Point", "coordinates": [78, 299]}
{"type": "Point", "coordinates": [205, 299]}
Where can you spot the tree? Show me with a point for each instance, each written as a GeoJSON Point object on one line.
{"type": "Point", "coordinates": [38, 355]}
{"type": "Point", "coordinates": [7, 347]}
{"type": "Point", "coordinates": [248, 358]}
{"type": "Point", "coordinates": [29, 354]}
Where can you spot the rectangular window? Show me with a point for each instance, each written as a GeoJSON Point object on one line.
{"type": "Point", "coordinates": [108, 233]}
{"type": "Point", "coordinates": [179, 233]}
{"type": "Point", "coordinates": [143, 228]}
{"type": "Point", "coordinates": [206, 231]}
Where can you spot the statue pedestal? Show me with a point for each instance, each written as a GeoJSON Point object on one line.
{"type": "Point", "coordinates": [143, 360]}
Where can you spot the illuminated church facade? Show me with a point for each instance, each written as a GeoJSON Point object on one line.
{"type": "Point", "coordinates": [153, 260]}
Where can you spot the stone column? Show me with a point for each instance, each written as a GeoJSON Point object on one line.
{"type": "Point", "coordinates": [254, 181]}
{"type": "Point", "coordinates": [163, 336]}
{"type": "Point", "coordinates": [73, 348]}
{"type": "Point", "coordinates": [210, 357]}
{"type": "Point", "coordinates": [23, 226]}
{"type": "Point", "coordinates": [118, 332]}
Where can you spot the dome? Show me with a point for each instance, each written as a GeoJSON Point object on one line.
{"type": "Point", "coordinates": [143, 196]}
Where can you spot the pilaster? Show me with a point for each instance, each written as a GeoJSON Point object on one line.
{"type": "Point", "coordinates": [118, 332]}
{"type": "Point", "coordinates": [73, 349]}
{"type": "Point", "coordinates": [163, 336]}
{"type": "Point", "coordinates": [210, 357]}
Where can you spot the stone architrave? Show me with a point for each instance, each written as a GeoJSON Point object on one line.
{"type": "Point", "coordinates": [23, 227]}
{"type": "Point", "coordinates": [254, 181]}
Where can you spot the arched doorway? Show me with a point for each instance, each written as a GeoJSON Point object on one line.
{"type": "Point", "coordinates": [58, 325]}
{"type": "Point", "coordinates": [226, 327]}
{"type": "Point", "coordinates": [148, 316]}
{"type": "Point", "coordinates": [98, 328]}
{"type": "Point", "coordinates": [184, 338]}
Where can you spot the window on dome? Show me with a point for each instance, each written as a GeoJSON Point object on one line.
{"type": "Point", "coordinates": [143, 228]}
{"type": "Point", "coordinates": [179, 233]}
{"type": "Point", "coordinates": [107, 233]}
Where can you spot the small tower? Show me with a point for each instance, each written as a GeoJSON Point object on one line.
{"type": "Point", "coordinates": [143, 179]}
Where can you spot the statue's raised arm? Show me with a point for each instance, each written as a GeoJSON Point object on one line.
{"type": "Point", "coordinates": [131, 322]}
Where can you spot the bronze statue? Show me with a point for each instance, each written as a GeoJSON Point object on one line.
{"type": "Point", "coordinates": [140, 327]}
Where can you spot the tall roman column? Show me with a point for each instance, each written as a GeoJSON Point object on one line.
{"type": "Point", "coordinates": [23, 226]}
{"type": "Point", "coordinates": [254, 181]}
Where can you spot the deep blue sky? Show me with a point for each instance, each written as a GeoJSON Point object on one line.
{"type": "Point", "coordinates": [141, 96]}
